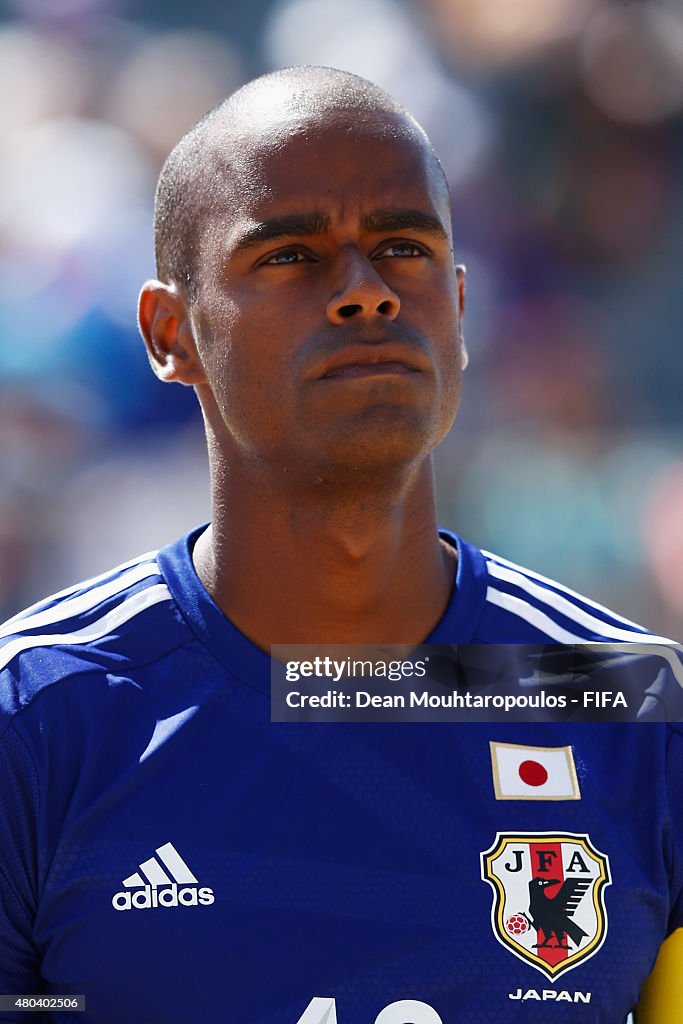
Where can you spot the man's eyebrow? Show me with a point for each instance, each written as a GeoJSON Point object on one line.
{"type": "Point", "coordinates": [295, 225]}
{"type": "Point", "coordinates": [291, 225]}
{"type": "Point", "coordinates": [402, 220]}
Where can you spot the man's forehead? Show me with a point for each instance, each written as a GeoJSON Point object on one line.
{"type": "Point", "coordinates": [245, 143]}
{"type": "Point", "coordinates": [326, 163]}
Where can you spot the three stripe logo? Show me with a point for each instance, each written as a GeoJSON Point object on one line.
{"type": "Point", "coordinates": [154, 873]}
{"type": "Point", "coordinates": [162, 881]}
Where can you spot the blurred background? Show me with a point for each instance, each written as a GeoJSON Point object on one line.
{"type": "Point", "coordinates": [560, 127]}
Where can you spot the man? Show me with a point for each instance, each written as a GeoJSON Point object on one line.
{"type": "Point", "coordinates": [166, 849]}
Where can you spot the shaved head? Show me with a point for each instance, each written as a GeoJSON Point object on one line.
{"type": "Point", "coordinates": [201, 173]}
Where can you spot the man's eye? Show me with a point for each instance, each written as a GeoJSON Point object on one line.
{"type": "Point", "coordinates": [286, 257]}
{"type": "Point", "coordinates": [404, 249]}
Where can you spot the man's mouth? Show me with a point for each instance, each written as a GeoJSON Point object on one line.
{"type": "Point", "coordinates": [373, 360]}
{"type": "Point", "coordinates": [383, 368]}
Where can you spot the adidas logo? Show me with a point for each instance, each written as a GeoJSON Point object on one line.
{"type": "Point", "coordinates": [162, 881]}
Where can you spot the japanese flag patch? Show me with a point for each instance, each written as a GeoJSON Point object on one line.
{"type": "Point", "coordinates": [533, 773]}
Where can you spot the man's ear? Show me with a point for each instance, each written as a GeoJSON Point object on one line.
{"type": "Point", "coordinates": [165, 326]}
{"type": "Point", "coordinates": [460, 272]}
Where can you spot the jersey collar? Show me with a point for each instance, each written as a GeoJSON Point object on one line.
{"type": "Point", "coordinates": [244, 659]}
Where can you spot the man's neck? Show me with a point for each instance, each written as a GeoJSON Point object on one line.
{"type": "Point", "coordinates": [308, 566]}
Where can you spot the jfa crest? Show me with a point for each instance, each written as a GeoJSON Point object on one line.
{"type": "Point", "coordinates": [548, 905]}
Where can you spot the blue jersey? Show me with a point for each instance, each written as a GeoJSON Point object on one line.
{"type": "Point", "coordinates": [168, 851]}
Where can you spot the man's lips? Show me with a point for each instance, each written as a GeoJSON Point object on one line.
{"type": "Point", "coordinates": [372, 361]}
{"type": "Point", "coordinates": [369, 370]}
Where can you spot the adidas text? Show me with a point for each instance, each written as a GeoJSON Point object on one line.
{"type": "Point", "coordinates": [151, 897]}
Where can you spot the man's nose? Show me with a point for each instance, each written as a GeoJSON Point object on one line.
{"type": "Point", "coordinates": [362, 293]}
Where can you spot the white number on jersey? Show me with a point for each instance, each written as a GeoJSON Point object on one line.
{"type": "Point", "coordinates": [405, 1011]}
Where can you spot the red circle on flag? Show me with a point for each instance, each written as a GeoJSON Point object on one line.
{"type": "Point", "coordinates": [533, 773]}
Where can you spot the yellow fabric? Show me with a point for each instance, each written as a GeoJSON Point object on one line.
{"type": "Point", "coordinates": [661, 1000]}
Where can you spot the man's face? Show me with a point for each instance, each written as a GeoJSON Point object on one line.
{"type": "Point", "coordinates": [327, 313]}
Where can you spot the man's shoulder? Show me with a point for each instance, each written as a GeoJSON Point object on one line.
{"type": "Point", "coordinates": [523, 606]}
{"type": "Point", "coordinates": [100, 625]}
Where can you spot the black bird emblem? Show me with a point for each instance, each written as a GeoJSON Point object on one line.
{"type": "Point", "coordinates": [552, 914]}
